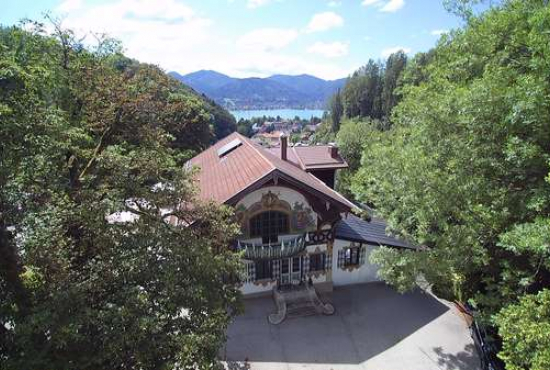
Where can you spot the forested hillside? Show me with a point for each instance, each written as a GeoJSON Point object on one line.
{"type": "Point", "coordinates": [365, 102]}
{"type": "Point", "coordinates": [275, 92]}
{"type": "Point", "coordinates": [461, 166]}
{"type": "Point", "coordinates": [87, 133]}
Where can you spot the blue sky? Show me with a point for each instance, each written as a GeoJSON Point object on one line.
{"type": "Point", "coordinates": [243, 38]}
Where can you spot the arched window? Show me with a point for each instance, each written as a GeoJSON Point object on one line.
{"type": "Point", "coordinates": [269, 225]}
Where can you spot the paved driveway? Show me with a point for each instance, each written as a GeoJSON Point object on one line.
{"type": "Point", "coordinates": [374, 327]}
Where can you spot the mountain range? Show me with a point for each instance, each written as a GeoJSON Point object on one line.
{"type": "Point", "coordinates": [275, 92]}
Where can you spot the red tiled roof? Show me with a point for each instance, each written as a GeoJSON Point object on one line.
{"type": "Point", "coordinates": [222, 178]}
{"type": "Point", "coordinates": [311, 157]}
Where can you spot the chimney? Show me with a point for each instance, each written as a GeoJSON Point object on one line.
{"type": "Point", "coordinates": [284, 146]}
{"type": "Point", "coordinates": [333, 150]}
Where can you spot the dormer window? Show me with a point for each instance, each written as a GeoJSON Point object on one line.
{"type": "Point", "coordinates": [269, 225]}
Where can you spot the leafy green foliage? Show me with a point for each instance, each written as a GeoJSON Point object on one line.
{"type": "Point", "coordinates": [336, 109]}
{"type": "Point", "coordinates": [463, 170]}
{"type": "Point", "coordinates": [87, 133]}
{"type": "Point", "coordinates": [524, 328]}
{"type": "Point", "coordinates": [351, 139]}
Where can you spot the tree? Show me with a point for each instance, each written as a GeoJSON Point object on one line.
{"type": "Point", "coordinates": [87, 133]}
{"type": "Point", "coordinates": [224, 122]}
{"type": "Point", "coordinates": [395, 65]}
{"type": "Point", "coordinates": [361, 95]}
{"type": "Point", "coordinates": [336, 109]}
{"type": "Point", "coordinates": [462, 8]}
{"type": "Point", "coordinates": [351, 139]}
{"type": "Point", "coordinates": [244, 127]}
{"type": "Point", "coordinates": [372, 90]}
{"type": "Point", "coordinates": [524, 328]}
{"type": "Point", "coordinates": [464, 170]}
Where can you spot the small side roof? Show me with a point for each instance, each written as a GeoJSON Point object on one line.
{"type": "Point", "coordinates": [313, 157]}
{"type": "Point", "coordinates": [355, 229]}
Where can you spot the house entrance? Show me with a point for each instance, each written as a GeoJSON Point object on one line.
{"type": "Point", "coordinates": [291, 270]}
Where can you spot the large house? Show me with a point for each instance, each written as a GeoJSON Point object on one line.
{"type": "Point", "coordinates": [295, 228]}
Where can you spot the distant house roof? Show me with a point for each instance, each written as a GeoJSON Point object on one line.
{"type": "Point", "coordinates": [223, 174]}
{"type": "Point", "coordinates": [356, 229]}
{"type": "Point", "coordinates": [314, 157]}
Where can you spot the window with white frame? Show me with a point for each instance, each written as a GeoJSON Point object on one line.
{"type": "Point", "coordinates": [352, 256]}
{"type": "Point", "coordinates": [269, 225]}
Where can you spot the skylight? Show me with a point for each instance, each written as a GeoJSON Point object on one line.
{"type": "Point", "coordinates": [229, 147]}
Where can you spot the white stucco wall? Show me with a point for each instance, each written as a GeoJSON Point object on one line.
{"type": "Point", "coordinates": [283, 193]}
{"type": "Point", "coordinates": [365, 273]}
{"type": "Point", "coordinates": [291, 197]}
{"type": "Point", "coordinates": [288, 195]}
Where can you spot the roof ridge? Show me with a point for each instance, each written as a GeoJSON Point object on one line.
{"type": "Point", "coordinates": [299, 158]}
{"type": "Point", "coordinates": [247, 141]}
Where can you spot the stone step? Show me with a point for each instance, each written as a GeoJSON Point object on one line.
{"type": "Point", "coordinates": [299, 304]}
{"type": "Point", "coordinates": [301, 312]}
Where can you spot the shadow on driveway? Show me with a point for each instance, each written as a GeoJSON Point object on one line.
{"type": "Point", "coordinates": [370, 319]}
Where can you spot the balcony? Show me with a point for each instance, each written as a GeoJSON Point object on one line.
{"type": "Point", "coordinates": [287, 246]}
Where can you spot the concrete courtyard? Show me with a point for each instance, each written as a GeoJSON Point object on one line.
{"type": "Point", "coordinates": [373, 328]}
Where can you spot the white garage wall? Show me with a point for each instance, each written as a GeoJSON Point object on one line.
{"type": "Point", "coordinates": [365, 273]}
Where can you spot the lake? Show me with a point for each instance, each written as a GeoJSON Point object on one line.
{"type": "Point", "coordinates": [283, 113]}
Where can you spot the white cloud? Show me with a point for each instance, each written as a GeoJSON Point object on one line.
{"type": "Point", "coordinates": [178, 38]}
{"type": "Point", "coordinates": [69, 5]}
{"type": "Point", "coordinates": [370, 2]}
{"type": "Point", "coordinates": [334, 3]}
{"type": "Point", "coordinates": [329, 49]}
{"type": "Point", "coordinates": [164, 32]}
{"type": "Point", "coordinates": [389, 51]}
{"type": "Point", "coordinates": [393, 6]}
{"type": "Point", "coordinates": [267, 39]}
{"type": "Point", "coordinates": [388, 6]}
{"type": "Point", "coordinates": [257, 3]}
{"type": "Point", "coordinates": [324, 21]}
{"type": "Point", "coordinates": [438, 32]}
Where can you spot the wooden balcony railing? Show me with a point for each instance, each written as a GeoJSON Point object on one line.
{"type": "Point", "coordinates": [282, 249]}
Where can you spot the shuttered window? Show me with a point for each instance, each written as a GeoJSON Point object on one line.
{"type": "Point", "coordinates": [351, 257]}
{"type": "Point", "coordinates": [317, 262]}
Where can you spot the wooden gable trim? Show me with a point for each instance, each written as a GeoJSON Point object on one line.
{"type": "Point", "coordinates": [318, 201]}
{"type": "Point", "coordinates": [276, 176]}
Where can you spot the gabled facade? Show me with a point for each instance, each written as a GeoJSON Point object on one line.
{"type": "Point", "coordinates": [295, 227]}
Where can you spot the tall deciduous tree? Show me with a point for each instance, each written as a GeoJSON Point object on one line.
{"type": "Point", "coordinates": [464, 170]}
{"type": "Point", "coordinates": [87, 134]}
